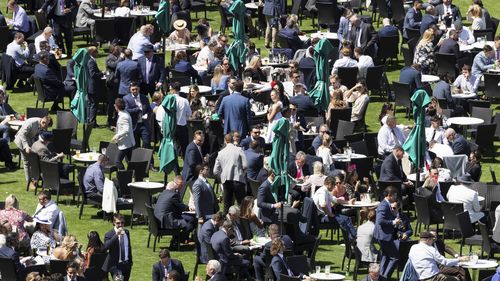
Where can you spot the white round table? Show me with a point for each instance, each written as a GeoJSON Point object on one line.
{"type": "Point", "coordinates": [309, 133]}
{"type": "Point", "coordinates": [426, 78]}
{"type": "Point", "coordinates": [413, 177]}
{"type": "Point", "coordinates": [202, 88]}
{"type": "Point", "coordinates": [200, 68]}
{"type": "Point", "coordinates": [327, 35]}
{"type": "Point", "coordinates": [251, 5]}
{"type": "Point", "coordinates": [88, 157]}
{"type": "Point", "coordinates": [496, 70]}
{"type": "Point", "coordinates": [259, 242]}
{"type": "Point", "coordinates": [253, 86]}
{"type": "Point", "coordinates": [480, 198]}
{"type": "Point", "coordinates": [465, 48]}
{"type": "Point", "coordinates": [480, 45]}
{"type": "Point", "coordinates": [464, 121]}
{"type": "Point", "coordinates": [260, 113]}
{"type": "Point", "coordinates": [98, 14]}
{"type": "Point", "coordinates": [343, 158]}
{"type": "Point", "coordinates": [362, 204]}
{"type": "Point", "coordinates": [330, 276]}
{"type": "Point", "coordinates": [176, 47]}
{"type": "Point", "coordinates": [143, 13]}
{"type": "Point", "coordinates": [147, 185]}
{"type": "Point", "coordinates": [481, 264]}
{"type": "Point", "coordinates": [466, 95]}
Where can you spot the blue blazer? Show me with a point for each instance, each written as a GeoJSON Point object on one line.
{"type": "Point", "coordinates": [222, 249]}
{"type": "Point", "coordinates": [265, 201]}
{"type": "Point", "coordinates": [158, 273]}
{"type": "Point", "coordinates": [207, 230]}
{"type": "Point", "coordinates": [450, 46]}
{"type": "Point", "coordinates": [279, 266]}
{"type": "Point", "coordinates": [156, 72]}
{"type": "Point", "coordinates": [9, 253]}
{"type": "Point", "coordinates": [272, 8]}
{"type": "Point", "coordinates": [112, 244]}
{"type": "Point", "coordinates": [192, 157]}
{"type": "Point", "coordinates": [52, 86]}
{"type": "Point", "coordinates": [95, 77]}
{"type": "Point", "coordinates": [410, 75]}
{"type": "Point", "coordinates": [168, 209]}
{"type": "Point", "coordinates": [388, 31]}
{"type": "Point", "coordinates": [204, 199]}
{"type": "Point", "coordinates": [427, 21]}
{"type": "Point", "coordinates": [304, 102]}
{"type": "Point", "coordinates": [412, 20]}
{"type": "Point", "coordinates": [186, 67]}
{"type": "Point", "coordinates": [245, 143]}
{"type": "Point", "coordinates": [255, 162]}
{"type": "Point", "coordinates": [126, 72]}
{"type": "Point", "coordinates": [460, 146]}
{"type": "Point", "coordinates": [132, 108]}
{"type": "Point", "coordinates": [384, 229]}
{"type": "Point", "coordinates": [292, 38]}
{"type": "Point", "coordinates": [236, 112]}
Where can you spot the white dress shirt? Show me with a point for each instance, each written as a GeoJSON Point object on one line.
{"type": "Point", "coordinates": [387, 140]}
{"type": "Point", "coordinates": [50, 211]}
{"type": "Point", "coordinates": [41, 38]}
{"type": "Point", "coordinates": [438, 136]}
{"type": "Point", "coordinates": [425, 260]}
{"type": "Point", "coordinates": [363, 63]}
{"type": "Point", "coordinates": [467, 85]}
{"type": "Point", "coordinates": [183, 110]}
{"type": "Point", "coordinates": [469, 198]}
{"type": "Point", "coordinates": [17, 53]}
{"type": "Point", "coordinates": [125, 244]}
{"type": "Point", "coordinates": [344, 62]}
{"type": "Point", "coordinates": [204, 55]}
{"type": "Point", "coordinates": [322, 198]}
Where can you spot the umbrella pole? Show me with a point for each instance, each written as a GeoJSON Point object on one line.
{"type": "Point", "coordinates": [419, 160]}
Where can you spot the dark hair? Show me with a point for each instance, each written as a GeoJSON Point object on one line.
{"type": "Point", "coordinates": [164, 253]}
{"type": "Point", "coordinates": [72, 264]}
{"type": "Point", "coordinates": [466, 67]}
{"type": "Point", "coordinates": [44, 194]}
{"type": "Point", "coordinates": [219, 216]}
{"type": "Point", "coordinates": [219, 52]}
{"type": "Point", "coordinates": [276, 246]}
{"type": "Point", "coordinates": [133, 84]}
{"type": "Point", "coordinates": [127, 53]}
{"type": "Point", "coordinates": [118, 216]}
{"type": "Point", "coordinates": [254, 145]}
{"type": "Point", "coordinates": [174, 275]}
{"type": "Point", "coordinates": [176, 86]}
{"type": "Point", "coordinates": [476, 154]}
{"type": "Point", "coordinates": [94, 241]}
{"type": "Point", "coordinates": [120, 104]}
{"type": "Point", "coordinates": [437, 163]}
{"type": "Point", "coordinates": [487, 48]}
{"type": "Point", "coordinates": [200, 167]}
{"type": "Point", "coordinates": [329, 181]}
{"type": "Point", "coordinates": [238, 86]}
{"type": "Point", "coordinates": [390, 190]}
{"type": "Point", "coordinates": [436, 118]}
{"type": "Point", "coordinates": [385, 108]}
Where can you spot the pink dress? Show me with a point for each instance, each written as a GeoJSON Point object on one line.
{"type": "Point", "coordinates": [16, 218]}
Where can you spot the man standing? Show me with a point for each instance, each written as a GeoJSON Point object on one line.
{"type": "Point", "coordinates": [127, 71]}
{"type": "Point", "coordinates": [266, 202]}
{"type": "Point", "coordinates": [385, 225]}
{"type": "Point", "coordinates": [124, 136]}
{"type": "Point", "coordinates": [254, 136]}
{"type": "Point", "coordinates": [26, 135]}
{"type": "Point", "coordinates": [61, 13]}
{"type": "Point", "coordinates": [363, 35]}
{"type": "Point", "coordinates": [205, 200]}
{"type": "Point", "coordinates": [137, 105]}
{"type": "Point", "coordinates": [94, 87]}
{"type": "Point", "coordinates": [231, 165]}
{"type": "Point", "coordinates": [117, 241]}
{"type": "Point", "coordinates": [449, 12]}
{"type": "Point", "coordinates": [255, 160]}
{"type": "Point", "coordinates": [413, 17]}
{"type": "Point", "coordinates": [93, 180]}
{"type": "Point", "coordinates": [235, 111]}
{"type": "Point", "coordinates": [153, 71]}
{"type": "Point", "coordinates": [193, 157]}
{"type": "Point", "coordinates": [19, 21]}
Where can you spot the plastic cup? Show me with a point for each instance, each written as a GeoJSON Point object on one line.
{"type": "Point", "coordinates": [318, 269]}
{"type": "Point", "coordinates": [327, 269]}
{"type": "Point", "coordinates": [77, 153]}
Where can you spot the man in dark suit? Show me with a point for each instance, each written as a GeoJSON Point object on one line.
{"type": "Point", "coordinates": [449, 12]}
{"type": "Point", "coordinates": [384, 230]}
{"type": "Point", "coordinates": [428, 19]}
{"type": "Point", "coordinates": [207, 230]}
{"type": "Point", "coordinates": [298, 169]}
{"type": "Point", "coordinates": [255, 160]}
{"type": "Point", "coordinates": [298, 123]}
{"type": "Point", "coordinates": [169, 211]}
{"type": "Point", "coordinates": [214, 271]}
{"type": "Point", "coordinates": [254, 136]}
{"type": "Point", "coordinates": [5, 112]}
{"type": "Point", "coordinates": [117, 241]}
{"type": "Point", "coordinates": [153, 71]}
{"type": "Point", "coordinates": [458, 143]}
{"type": "Point", "coordinates": [363, 35]}
{"type": "Point", "coordinates": [53, 87]}
{"type": "Point", "coordinates": [223, 252]}
{"type": "Point", "coordinates": [266, 202]}
{"type": "Point", "coordinates": [301, 99]}
{"type": "Point", "coordinates": [413, 17]}
{"type": "Point", "coordinates": [165, 265]}
{"type": "Point", "coordinates": [193, 157]}
{"type": "Point", "coordinates": [411, 75]}
{"type": "Point", "coordinates": [290, 35]}
{"type": "Point", "coordinates": [318, 140]}
{"type": "Point", "coordinates": [69, 80]}
{"type": "Point", "coordinates": [235, 111]}
{"type": "Point", "coordinates": [126, 72]}
{"type": "Point", "coordinates": [387, 30]}
{"type": "Point", "coordinates": [137, 105]}
{"type": "Point", "coordinates": [61, 12]}
{"type": "Point", "coordinates": [205, 200]}
{"type": "Point", "coordinates": [93, 86]}
{"type": "Point", "coordinates": [450, 45]}
{"type": "Point", "coordinates": [71, 272]}
{"type": "Point", "coordinates": [391, 169]}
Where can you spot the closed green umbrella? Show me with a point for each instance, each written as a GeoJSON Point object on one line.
{"type": "Point", "coordinates": [237, 51]}
{"type": "Point", "coordinates": [162, 16]}
{"type": "Point", "coordinates": [82, 76]}
{"type": "Point", "coordinates": [167, 151]}
{"type": "Point", "coordinates": [320, 94]}
{"type": "Point", "coordinates": [414, 145]}
{"type": "Point", "coordinates": [279, 157]}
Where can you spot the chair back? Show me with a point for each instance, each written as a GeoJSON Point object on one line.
{"type": "Point", "coordinates": [141, 155]}
{"type": "Point", "coordinates": [371, 142]}
{"type": "Point", "coordinates": [34, 166]}
{"type": "Point", "coordinates": [41, 20]}
{"type": "Point", "coordinates": [456, 164]}
{"type": "Point", "coordinates": [50, 174]}
{"type": "Point", "coordinates": [374, 76]}
{"type": "Point", "coordinates": [359, 147]}
{"type": "Point", "coordinates": [312, 257]}
{"type": "Point", "coordinates": [125, 27]}
{"type": "Point", "coordinates": [450, 211]}
{"type": "Point", "coordinates": [482, 113]}
{"type": "Point", "coordinates": [153, 223]}
{"type": "Point", "coordinates": [58, 266]}
{"type": "Point", "coordinates": [446, 64]}
{"type": "Point", "coordinates": [402, 93]}
{"type": "Point", "coordinates": [407, 55]}
{"type": "Point", "coordinates": [488, 33]}
{"type": "Point", "coordinates": [141, 197]}
{"type": "Point", "coordinates": [465, 225]}
{"type": "Point", "coordinates": [112, 152]}
{"type": "Point", "coordinates": [298, 264]}
{"type": "Point", "coordinates": [422, 208]}
{"type": "Point", "coordinates": [337, 114]}
{"type": "Point", "coordinates": [496, 120]}
{"type": "Point", "coordinates": [124, 177]}
{"type": "Point", "coordinates": [404, 250]}
{"type": "Point", "coordinates": [344, 128]}
{"type": "Point", "coordinates": [388, 47]}
{"type": "Point", "coordinates": [309, 72]}
{"type": "Point", "coordinates": [104, 30]}
{"type": "Point", "coordinates": [348, 75]}
{"type": "Point", "coordinates": [81, 186]}
{"type": "Point", "coordinates": [66, 120]}
{"type": "Point", "coordinates": [327, 13]}
{"type": "Point", "coordinates": [8, 269]}
{"type": "Point", "coordinates": [364, 166]}
{"type": "Point", "coordinates": [485, 136]}
{"type": "Point", "coordinates": [491, 85]}
{"type": "Point", "coordinates": [487, 247]}
{"type": "Point", "coordinates": [413, 33]}
{"type": "Point", "coordinates": [139, 169]}
{"type": "Point", "coordinates": [62, 140]}
{"type": "Point", "coordinates": [36, 112]}
{"type": "Point", "coordinates": [39, 90]}
{"type": "Point", "coordinates": [354, 137]}
{"type": "Point", "coordinates": [478, 103]}
{"type": "Point", "coordinates": [398, 12]}
{"type": "Point", "coordinates": [4, 38]}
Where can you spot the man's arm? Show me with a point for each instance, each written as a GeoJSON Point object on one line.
{"type": "Point", "coordinates": [196, 190]}
{"type": "Point", "coordinates": [94, 70]}
{"type": "Point", "coordinates": [99, 180]}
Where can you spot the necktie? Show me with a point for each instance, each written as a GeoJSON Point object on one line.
{"type": "Point", "coordinates": [433, 134]}
{"type": "Point", "coordinates": [396, 141]}
{"type": "Point", "coordinates": [299, 173]}
{"type": "Point", "coordinates": [498, 54]}
{"type": "Point", "coordinates": [122, 249]}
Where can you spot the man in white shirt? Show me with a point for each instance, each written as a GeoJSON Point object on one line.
{"type": "Point", "coordinates": [46, 208]}
{"type": "Point", "coordinates": [206, 54]}
{"type": "Point", "coordinates": [389, 136]}
{"type": "Point", "coordinates": [465, 35]}
{"type": "Point", "coordinates": [363, 62]}
{"type": "Point", "coordinates": [466, 82]}
{"type": "Point", "coordinates": [45, 36]}
{"type": "Point", "coordinates": [19, 51]}
{"type": "Point", "coordinates": [425, 259]}
{"type": "Point", "coordinates": [460, 193]}
{"type": "Point", "coordinates": [434, 132]}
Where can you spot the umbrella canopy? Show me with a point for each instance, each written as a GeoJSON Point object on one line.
{"type": "Point", "coordinates": [82, 76]}
{"type": "Point", "coordinates": [162, 17]}
{"type": "Point", "coordinates": [237, 51]}
{"type": "Point", "coordinates": [320, 94]}
{"type": "Point", "coordinates": [279, 156]}
{"type": "Point", "coordinates": [167, 150]}
{"type": "Point", "coordinates": [415, 143]}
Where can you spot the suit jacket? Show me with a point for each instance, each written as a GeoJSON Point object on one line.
{"type": "Point", "coordinates": [84, 14]}
{"type": "Point", "coordinates": [388, 31]}
{"type": "Point", "coordinates": [43, 151]}
{"type": "Point", "coordinates": [304, 102]}
{"type": "Point", "coordinates": [292, 37]}
{"type": "Point", "coordinates": [450, 46]}
{"type": "Point", "coordinates": [207, 230]}
{"type": "Point", "coordinates": [185, 66]}
{"type": "Point", "coordinates": [231, 164]}
{"type": "Point", "coordinates": [391, 169]}
{"type": "Point", "coordinates": [156, 71]}
{"type": "Point", "coordinates": [368, 38]}
{"type": "Point", "coordinates": [413, 18]}
{"type": "Point", "coordinates": [365, 242]}
{"type": "Point", "coordinates": [49, 6]}
{"type": "Point", "coordinates": [93, 86]}
{"type": "Point", "coordinates": [384, 229]}
{"type": "Point", "coordinates": [9, 253]}
{"type": "Point", "coordinates": [124, 131]}
{"type": "Point", "coordinates": [255, 162]}
{"type": "Point", "coordinates": [192, 157]}
{"type": "Point", "coordinates": [112, 244]}
{"type": "Point", "coordinates": [219, 276]}
{"type": "Point", "coordinates": [265, 201]}
{"type": "Point", "coordinates": [455, 12]}
{"type": "Point", "coordinates": [460, 146]}
{"type": "Point", "coordinates": [126, 72]}
{"type": "Point", "coordinates": [52, 85]}
{"type": "Point", "coordinates": [169, 208]}
{"type": "Point", "coordinates": [279, 266]}
{"type": "Point", "coordinates": [222, 248]}
{"type": "Point", "coordinates": [236, 113]}
{"type": "Point", "coordinates": [7, 110]}
{"type": "Point", "coordinates": [427, 21]}
{"type": "Point", "coordinates": [410, 75]}
{"type": "Point", "coordinates": [205, 200]}
{"type": "Point", "coordinates": [292, 169]}
{"type": "Point", "coordinates": [245, 143]}
{"type": "Point", "coordinates": [158, 272]}
{"type": "Point", "coordinates": [77, 278]}
{"type": "Point", "coordinates": [135, 112]}
{"type": "Point", "coordinates": [28, 132]}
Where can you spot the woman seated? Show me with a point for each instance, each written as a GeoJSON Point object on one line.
{"type": "Point", "coordinates": [94, 246]}
{"type": "Point", "coordinates": [181, 34]}
{"type": "Point", "coordinates": [473, 167]}
{"type": "Point", "coordinates": [182, 65]}
{"type": "Point", "coordinates": [358, 95]}
{"type": "Point", "coordinates": [254, 70]}
{"type": "Point", "coordinates": [364, 239]}
{"type": "Point", "coordinates": [353, 185]}
{"type": "Point", "coordinates": [16, 218]}
{"type": "Point", "coordinates": [325, 152]}
{"type": "Point", "coordinates": [194, 93]}
{"type": "Point", "coordinates": [219, 80]}
{"type": "Point", "coordinates": [204, 30]}
{"type": "Point", "coordinates": [256, 225]}
{"type": "Point", "coordinates": [68, 249]}
{"type": "Point", "coordinates": [316, 180]}
{"type": "Point", "coordinates": [345, 61]}
{"type": "Point", "coordinates": [339, 192]}
{"type": "Point", "coordinates": [44, 238]}
{"type": "Point", "coordinates": [123, 10]}
{"type": "Point", "coordinates": [476, 14]}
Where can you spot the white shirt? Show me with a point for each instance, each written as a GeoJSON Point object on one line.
{"type": "Point", "coordinates": [360, 103]}
{"type": "Point", "coordinates": [467, 85]}
{"type": "Point", "coordinates": [50, 212]}
{"type": "Point", "coordinates": [326, 156]}
{"type": "Point", "coordinates": [122, 12]}
{"type": "Point", "coordinates": [363, 63]}
{"type": "Point", "coordinates": [125, 244]}
{"type": "Point", "coordinates": [466, 36]}
{"type": "Point", "coordinates": [425, 260]}
{"type": "Point", "coordinates": [344, 62]}
{"type": "Point", "coordinates": [183, 110]}
{"type": "Point", "coordinates": [469, 198]}
{"type": "Point", "coordinates": [386, 139]}
{"type": "Point", "coordinates": [438, 137]}
{"type": "Point", "coordinates": [322, 198]}
{"type": "Point", "coordinates": [41, 38]}
{"type": "Point", "coordinates": [442, 150]}
{"type": "Point", "coordinates": [204, 55]}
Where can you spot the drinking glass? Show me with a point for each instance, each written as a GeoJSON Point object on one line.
{"type": "Point", "coordinates": [77, 153]}
{"type": "Point", "coordinates": [103, 150]}
{"type": "Point", "coordinates": [318, 269]}
{"type": "Point", "coordinates": [327, 269]}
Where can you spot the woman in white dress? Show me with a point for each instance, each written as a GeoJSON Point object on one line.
{"type": "Point", "coordinates": [324, 151]}
{"type": "Point", "coordinates": [273, 115]}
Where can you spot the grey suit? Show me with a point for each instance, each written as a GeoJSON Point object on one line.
{"type": "Point", "coordinates": [204, 199]}
{"type": "Point", "coordinates": [84, 16]}
{"type": "Point", "coordinates": [24, 138]}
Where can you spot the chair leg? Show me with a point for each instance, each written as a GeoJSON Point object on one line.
{"type": "Point", "coordinates": [81, 212]}
{"type": "Point", "coordinates": [195, 268]}
{"type": "Point", "coordinates": [154, 244]}
{"type": "Point", "coordinates": [149, 239]}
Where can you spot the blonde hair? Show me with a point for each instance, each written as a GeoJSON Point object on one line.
{"type": "Point", "coordinates": [317, 168]}
{"type": "Point", "coordinates": [426, 37]}
{"type": "Point", "coordinates": [217, 74]}
{"type": "Point", "coordinates": [476, 11]}
{"type": "Point", "coordinates": [11, 202]}
{"type": "Point", "coordinates": [346, 52]}
{"type": "Point", "coordinates": [157, 97]}
{"type": "Point", "coordinates": [326, 140]}
{"type": "Point", "coordinates": [254, 62]}
{"type": "Point", "coordinates": [69, 242]}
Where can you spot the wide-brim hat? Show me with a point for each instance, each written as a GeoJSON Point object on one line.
{"type": "Point", "coordinates": [42, 220]}
{"type": "Point", "coordinates": [180, 24]}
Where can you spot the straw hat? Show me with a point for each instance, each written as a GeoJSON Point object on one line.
{"type": "Point", "coordinates": [180, 24]}
{"type": "Point", "coordinates": [42, 220]}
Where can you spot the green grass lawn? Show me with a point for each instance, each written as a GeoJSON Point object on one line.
{"type": "Point", "coordinates": [329, 252]}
